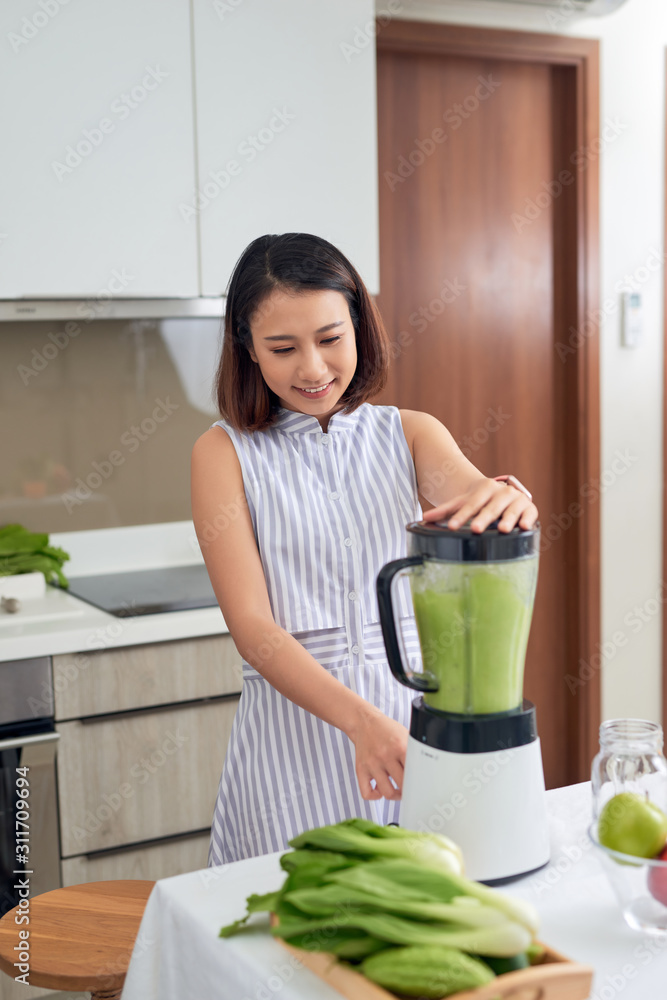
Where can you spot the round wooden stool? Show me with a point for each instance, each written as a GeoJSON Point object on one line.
{"type": "Point", "coordinates": [81, 937]}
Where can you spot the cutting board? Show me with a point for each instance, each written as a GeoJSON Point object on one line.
{"type": "Point", "coordinates": [52, 606]}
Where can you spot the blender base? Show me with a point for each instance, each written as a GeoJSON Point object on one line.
{"type": "Point", "coordinates": [491, 803]}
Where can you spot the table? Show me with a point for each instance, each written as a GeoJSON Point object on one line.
{"type": "Point", "coordinates": [178, 955]}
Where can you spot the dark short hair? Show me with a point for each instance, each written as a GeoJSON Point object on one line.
{"type": "Point", "coordinates": [293, 262]}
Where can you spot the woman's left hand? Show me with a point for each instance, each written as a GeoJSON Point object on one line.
{"type": "Point", "coordinates": [486, 501]}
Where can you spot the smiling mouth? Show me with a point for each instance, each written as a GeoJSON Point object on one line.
{"type": "Point", "coordinates": [316, 392]}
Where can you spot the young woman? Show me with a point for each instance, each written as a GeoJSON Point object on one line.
{"type": "Point", "coordinates": [300, 494]}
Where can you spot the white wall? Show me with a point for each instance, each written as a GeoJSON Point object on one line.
{"type": "Point", "coordinates": [632, 170]}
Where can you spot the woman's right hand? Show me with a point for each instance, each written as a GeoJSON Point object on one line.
{"type": "Point", "coordinates": [380, 745]}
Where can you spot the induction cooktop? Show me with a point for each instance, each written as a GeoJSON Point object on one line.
{"type": "Point", "coordinates": [147, 591]}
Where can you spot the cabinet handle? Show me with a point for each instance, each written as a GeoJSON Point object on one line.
{"type": "Point", "coordinates": [28, 741]}
{"type": "Point", "coordinates": [140, 844]}
{"type": "Point", "coordinates": [123, 713]}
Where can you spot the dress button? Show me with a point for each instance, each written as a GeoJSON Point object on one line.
{"type": "Point", "coordinates": [355, 649]}
{"type": "Point", "coordinates": [325, 439]}
{"type": "Point", "coordinates": [334, 496]}
{"type": "Point", "coordinates": [352, 596]}
{"type": "Point", "coordinates": [348, 542]}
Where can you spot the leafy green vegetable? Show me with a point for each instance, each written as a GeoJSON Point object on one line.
{"type": "Point", "coordinates": [308, 868]}
{"type": "Point", "coordinates": [345, 942]}
{"type": "Point", "coordinates": [441, 886]}
{"type": "Point", "coordinates": [364, 893]}
{"type": "Point", "coordinates": [502, 939]}
{"type": "Point", "coordinates": [23, 551]}
{"type": "Point", "coordinates": [254, 904]}
{"type": "Point", "coordinates": [369, 840]}
{"type": "Point", "coordinates": [328, 899]}
{"type": "Point", "coordinates": [15, 538]}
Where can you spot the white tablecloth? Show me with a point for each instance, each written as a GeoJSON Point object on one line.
{"type": "Point", "coordinates": [179, 956]}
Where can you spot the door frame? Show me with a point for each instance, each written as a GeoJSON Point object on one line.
{"type": "Point", "coordinates": [576, 66]}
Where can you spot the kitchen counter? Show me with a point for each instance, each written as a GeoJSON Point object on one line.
{"type": "Point", "coordinates": [64, 624]}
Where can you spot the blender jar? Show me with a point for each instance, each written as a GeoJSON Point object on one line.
{"type": "Point", "coordinates": [473, 596]}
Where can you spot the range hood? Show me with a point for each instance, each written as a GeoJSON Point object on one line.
{"type": "Point", "coordinates": [95, 308]}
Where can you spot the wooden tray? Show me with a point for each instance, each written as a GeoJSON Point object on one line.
{"type": "Point", "coordinates": [554, 978]}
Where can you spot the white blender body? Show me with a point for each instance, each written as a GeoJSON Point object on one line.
{"type": "Point", "coordinates": [473, 768]}
{"type": "Point", "coordinates": [491, 804]}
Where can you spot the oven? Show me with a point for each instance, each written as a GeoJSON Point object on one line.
{"type": "Point", "coordinates": [29, 841]}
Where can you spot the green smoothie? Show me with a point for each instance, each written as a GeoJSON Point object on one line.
{"type": "Point", "coordinates": [473, 621]}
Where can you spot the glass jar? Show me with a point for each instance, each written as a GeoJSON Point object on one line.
{"type": "Point", "coordinates": [630, 760]}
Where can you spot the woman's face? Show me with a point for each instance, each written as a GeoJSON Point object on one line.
{"type": "Point", "coordinates": [305, 340]}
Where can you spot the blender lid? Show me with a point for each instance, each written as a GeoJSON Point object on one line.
{"type": "Point", "coordinates": [435, 540]}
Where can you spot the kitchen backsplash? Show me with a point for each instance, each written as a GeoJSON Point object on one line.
{"type": "Point", "coordinates": [97, 424]}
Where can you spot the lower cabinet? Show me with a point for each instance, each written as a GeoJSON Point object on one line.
{"type": "Point", "coordinates": [140, 776]}
{"type": "Point", "coordinates": [152, 862]}
{"type": "Point", "coordinates": [143, 735]}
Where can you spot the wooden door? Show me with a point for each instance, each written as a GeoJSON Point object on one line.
{"type": "Point", "coordinates": [478, 285]}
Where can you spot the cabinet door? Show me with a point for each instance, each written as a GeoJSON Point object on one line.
{"type": "Point", "coordinates": [163, 673]}
{"type": "Point", "coordinates": [98, 149]}
{"type": "Point", "coordinates": [286, 129]}
{"type": "Point", "coordinates": [154, 861]}
{"type": "Point", "coordinates": [140, 776]}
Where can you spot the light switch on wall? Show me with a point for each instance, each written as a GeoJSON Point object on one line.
{"type": "Point", "coordinates": [631, 319]}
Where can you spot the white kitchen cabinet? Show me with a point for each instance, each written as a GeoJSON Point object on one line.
{"type": "Point", "coordinates": [97, 130]}
{"type": "Point", "coordinates": [286, 129]}
{"type": "Point", "coordinates": [122, 180]}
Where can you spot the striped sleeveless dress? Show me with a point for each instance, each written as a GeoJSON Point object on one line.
{"type": "Point", "coordinates": [328, 510]}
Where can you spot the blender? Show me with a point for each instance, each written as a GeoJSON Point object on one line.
{"type": "Point", "coordinates": [473, 768]}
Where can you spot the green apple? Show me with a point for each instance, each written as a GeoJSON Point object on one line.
{"type": "Point", "coordinates": [629, 823]}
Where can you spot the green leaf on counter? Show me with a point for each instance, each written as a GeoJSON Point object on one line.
{"type": "Point", "coordinates": [23, 551]}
